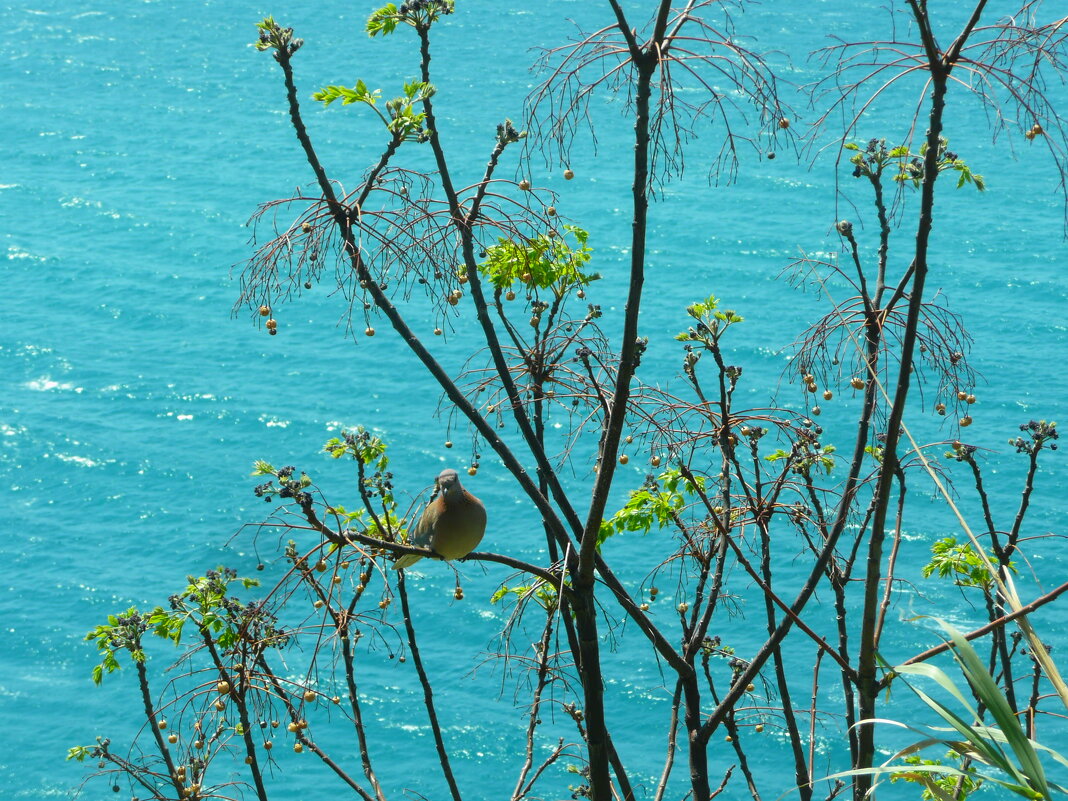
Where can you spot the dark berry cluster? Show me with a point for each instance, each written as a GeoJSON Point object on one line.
{"type": "Point", "coordinates": [871, 160]}
{"type": "Point", "coordinates": [379, 484]}
{"type": "Point", "coordinates": [425, 6]}
{"type": "Point", "coordinates": [1040, 432]}
{"type": "Point", "coordinates": [506, 134]}
{"type": "Point", "coordinates": [962, 452]}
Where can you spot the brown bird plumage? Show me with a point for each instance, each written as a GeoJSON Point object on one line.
{"type": "Point", "coordinates": [452, 524]}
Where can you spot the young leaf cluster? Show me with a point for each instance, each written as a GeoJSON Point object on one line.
{"type": "Point", "coordinates": [545, 261]}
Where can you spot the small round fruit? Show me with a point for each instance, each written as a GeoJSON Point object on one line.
{"type": "Point", "coordinates": [292, 727]}
{"type": "Point", "coordinates": [628, 439]}
{"type": "Point", "coordinates": [962, 395]}
{"type": "Point", "coordinates": [524, 185]}
{"type": "Point", "coordinates": [307, 284]}
{"type": "Point", "coordinates": [220, 705]}
{"type": "Point", "coordinates": [172, 739]}
{"type": "Point", "coordinates": [551, 211]}
{"type": "Point", "coordinates": [309, 695]}
{"type": "Point", "coordinates": [268, 745]}
{"type": "Point", "coordinates": [970, 399]}
{"type": "Point", "coordinates": [297, 748]}
{"type": "Point", "coordinates": [458, 595]}
{"type": "Point", "coordinates": [437, 332]}
{"type": "Point", "coordinates": [966, 421]}
{"type": "Point", "coordinates": [940, 408]}
{"type": "Point", "coordinates": [857, 383]}
{"type": "Point", "coordinates": [198, 744]}
{"type": "Point", "coordinates": [369, 331]}
{"type": "Point", "coordinates": [758, 728]}
{"type": "Point", "coordinates": [318, 603]}
{"type": "Point", "coordinates": [811, 387]}
{"type": "Point", "coordinates": [644, 607]}
{"type": "Point", "coordinates": [568, 174]}
{"type": "Point", "coordinates": [623, 458]}
{"type": "Point", "coordinates": [321, 565]}
{"type": "Point", "coordinates": [272, 323]}
{"type": "Point", "coordinates": [248, 760]}
{"type": "Point", "coordinates": [265, 311]}
{"type": "Point", "coordinates": [223, 687]}
{"type": "Point", "coordinates": [827, 394]}
{"type": "Point", "coordinates": [771, 155]}
{"type": "Point", "coordinates": [452, 300]}
{"type": "Point", "coordinates": [784, 123]}
{"type": "Point", "coordinates": [472, 471]}
{"type": "Point", "coordinates": [749, 688]}
{"type": "Point", "coordinates": [509, 295]}
{"type": "Point", "coordinates": [729, 739]}
{"type": "Point", "coordinates": [336, 699]}
{"type": "Point", "coordinates": [448, 443]}
{"type": "Point", "coordinates": [581, 294]}
{"type": "Point", "coordinates": [816, 411]}
{"type": "Point", "coordinates": [162, 725]}
{"type": "Point", "coordinates": [526, 278]}
{"type": "Point", "coordinates": [653, 591]}
{"type": "Point", "coordinates": [655, 461]}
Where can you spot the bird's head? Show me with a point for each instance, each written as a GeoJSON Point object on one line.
{"type": "Point", "coordinates": [448, 482]}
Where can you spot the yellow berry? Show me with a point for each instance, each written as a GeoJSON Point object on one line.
{"type": "Point", "coordinates": [568, 174]}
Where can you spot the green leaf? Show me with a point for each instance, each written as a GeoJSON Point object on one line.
{"type": "Point", "coordinates": [383, 21]}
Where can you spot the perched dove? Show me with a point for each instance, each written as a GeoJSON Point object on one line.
{"type": "Point", "coordinates": [452, 524]}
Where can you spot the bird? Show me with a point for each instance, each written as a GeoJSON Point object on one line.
{"type": "Point", "coordinates": [452, 525]}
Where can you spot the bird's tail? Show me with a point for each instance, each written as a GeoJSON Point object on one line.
{"type": "Point", "coordinates": [407, 560]}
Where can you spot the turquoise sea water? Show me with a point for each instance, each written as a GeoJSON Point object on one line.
{"type": "Point", "coordinates": [138, 138]}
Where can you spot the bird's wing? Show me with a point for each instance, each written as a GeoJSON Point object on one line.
{"type": "Point", "coordinates": [423, 530]}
